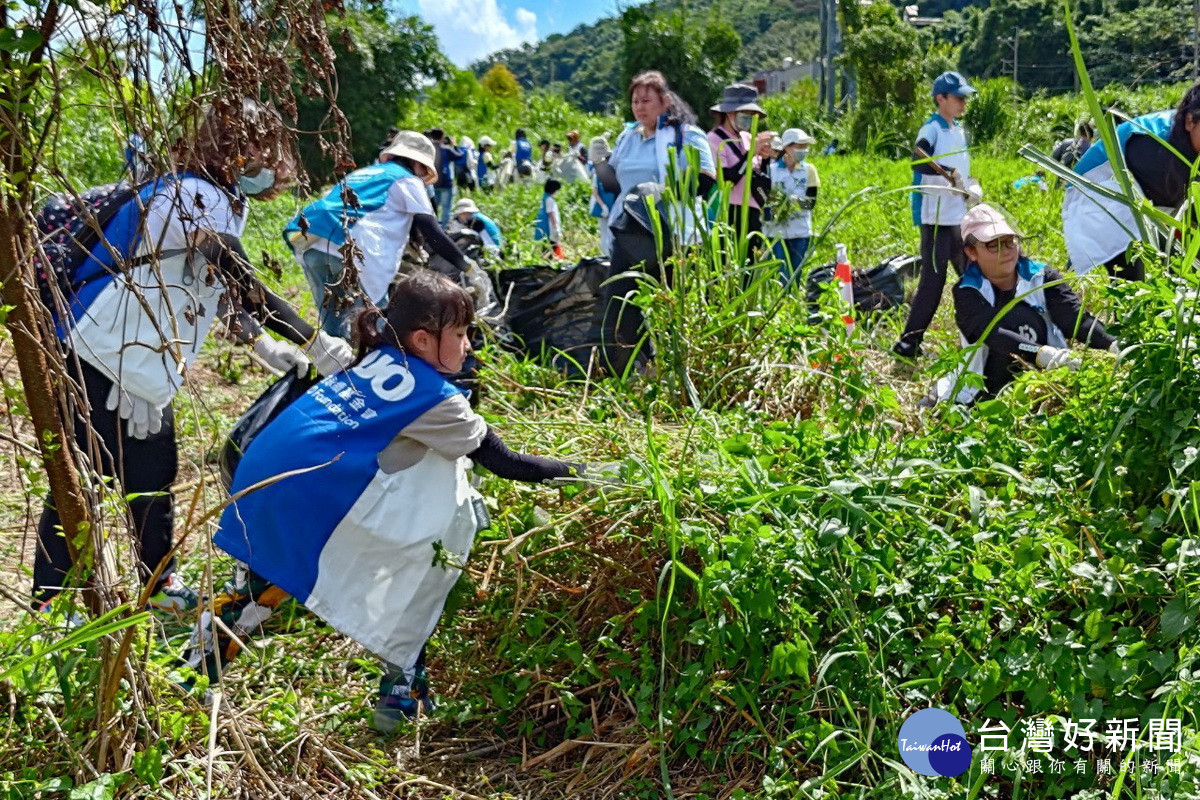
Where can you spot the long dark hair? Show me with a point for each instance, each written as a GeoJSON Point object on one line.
{"type": "Point", "coordinates": [228, 129]}
{"type": "Point", "coordinates": [1188, 108]}
{"type": "Point", "coordinates": [422, 301]}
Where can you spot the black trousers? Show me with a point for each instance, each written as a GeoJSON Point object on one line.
{"type": "Point", "coordinates": [144, 467]}
{"type": "Point", "coordinates": [753, 225]}
{"type": "Point", "coordinates": [1122, 267]}
{"type": "Point", "coordinates": [941, 247]}
{"type": "Point", "coordinates": [622, 323]}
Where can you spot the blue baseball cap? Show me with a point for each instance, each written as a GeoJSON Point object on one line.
{"type": "Point", "coordinates": [952, 83]}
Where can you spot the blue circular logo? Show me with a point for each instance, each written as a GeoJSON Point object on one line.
{"type": "Point", "coordinates": [932, 742]}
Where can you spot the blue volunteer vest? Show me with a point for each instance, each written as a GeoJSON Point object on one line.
{"type": "Point", "coordinates": [346, 420]}
{"type": "Point", "coordinates": [489, 225]}
{"type": "Point", "coordinates": [524, 150]}
{"type": "Point", "coordinates": [1158, 124]}
{"type": "Point", "coordinates": [122, 236]}
{"type": "Point", "coordinates": [541, 226]}
{"type": "Point", "coordinates": [330, 218]}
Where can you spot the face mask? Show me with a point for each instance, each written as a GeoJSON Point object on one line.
{"type": "Point", "coordinates": [799, 155]}
{"type": "Point", "coordinates": [257, 183]}
{"type": "Point", "coordinates": [744, 121]}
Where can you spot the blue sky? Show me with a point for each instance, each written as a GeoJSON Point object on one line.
{"type": "Point", "coordinates": [471, 29]}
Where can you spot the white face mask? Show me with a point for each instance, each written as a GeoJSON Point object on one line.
{"type": "Point", "coordinates": [743, 121]}
{"type": "Point", "coordinates": [259, 182]}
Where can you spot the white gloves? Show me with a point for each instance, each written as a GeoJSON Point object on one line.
{"type": "Point", "coordinates": [1115, 349]}
{"type": "Point", "coordinates": [280, 355]}
{"type": "Point", "coordinates": [330, 354]}
{"type": "Point", "coordinates": [144, 417]}
{"type": "Point", "coordinates": [957, 180]}
{"type": "Point", "coordinates": [974, 193]}
{"type": "Point", "coordinates": [1055, 357]}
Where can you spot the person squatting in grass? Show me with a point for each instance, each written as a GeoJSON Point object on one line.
{"type": "Point", "coordinates": [1161, 150]}
{"type": "Point", "coordinates": [1035, 331]}
{"type": "Point", "coordinates": [171, 262]}
{"type": "Point", "coordinates": [640, 166]}
{"type": "Point", "coordinates": [468, 216]}
{"type": "Point", "coordinates": [390, 202]}
{"type": "Point", "coordinates": [794, 186]}
{"type": "Point", "coordinates": [375, 515]}
{"type": "Point", "coordinates": [943, 188]}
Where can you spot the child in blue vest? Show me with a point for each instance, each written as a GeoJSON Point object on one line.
{"type": "Point", "coordinates": [375, 516]}
{"type": "Point", "coordinates": [548, 226]}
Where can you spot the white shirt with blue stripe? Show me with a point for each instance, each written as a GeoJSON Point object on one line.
{"type": "Point", "coordinates": [934, 201]}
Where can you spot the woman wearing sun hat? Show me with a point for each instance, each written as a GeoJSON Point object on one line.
{"type": "Point", "coordinates": [467, 214]}
{"type": "Point", "coordinates": [738, 158]}
{"type": "Point", "coordinates": [794, 183]}
{"type": "Point", "coordinates": [391, 203]}
{"type": "Point", "coordinates": [1035, 331]}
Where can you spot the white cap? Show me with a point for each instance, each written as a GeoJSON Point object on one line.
{"type": "Point", "coordinates": [410, 144]}
{"type": "Point", "coordinates": [598, 149]}
{"type": "Point", "coordinates": [485, 140]}
{"type": "Point", "coordinates": [795, 136]}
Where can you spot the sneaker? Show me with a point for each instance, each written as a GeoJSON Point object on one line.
{"type": "Point", "coordinates": [174, 595]}
{"type": "Point", "coordinates": [399, 702]}
{"type": "Point", "coordinates": [72, 620]}
{"type": "Point", "coordinates": [906, 350]}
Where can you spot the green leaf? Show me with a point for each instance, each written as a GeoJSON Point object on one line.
{"type": "Point", "coordinates": [1091, 625]}
{"type": "Point", "coordinates": [1177, 617]}
{"type": "Point", "coordinates": [103, 788]}
{"type": "Point", "coordinates": [981, 572]}
{"type": "Point", "coordinates": [790, 659]}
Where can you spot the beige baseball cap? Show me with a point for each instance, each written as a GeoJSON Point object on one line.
{"type": "Point", "coordinates": [986, 224]}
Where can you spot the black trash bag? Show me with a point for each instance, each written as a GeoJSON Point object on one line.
{"type": "Point", "coordinates": [269, 405]}
{"type": "Point", "coordinates": [876, 289]}
{"type": "Point", "coordinates": [552, 312]}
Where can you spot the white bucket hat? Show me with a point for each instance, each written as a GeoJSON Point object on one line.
{"type": "Point", "coordinates": [795, 136]}
{"type": "Point", "coordinates": [410, 144]}
{"type": "Point", "coordinates": [466, 206]}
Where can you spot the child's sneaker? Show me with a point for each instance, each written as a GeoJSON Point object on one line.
{"type": "Point", "coordinates": [174, 595]}
{"type": "Point", "coordinates": [71, 619]}
{"type": "Point", "coordinates": [399, 701]}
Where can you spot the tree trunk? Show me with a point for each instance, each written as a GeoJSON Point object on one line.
{"type": "Point", "coordinates": [39, 358]}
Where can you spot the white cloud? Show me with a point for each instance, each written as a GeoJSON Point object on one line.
{"type": "Point", "coordinates": [470, 29]}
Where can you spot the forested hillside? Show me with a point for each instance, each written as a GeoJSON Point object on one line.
{"type": "Point", "coordinates": [585, 64]}
{"type": "Point", "coordinates": [1124, 41]}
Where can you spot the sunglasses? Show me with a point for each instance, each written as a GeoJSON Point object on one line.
{"type": "Point", "coordinates": [1001, 244]}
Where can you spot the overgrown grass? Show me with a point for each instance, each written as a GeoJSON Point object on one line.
{"type": "Point", "coordinates": [796, 560]}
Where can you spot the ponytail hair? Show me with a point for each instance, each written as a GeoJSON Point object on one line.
{"type": "Point", "coordinates": [1188, 108]}
{"type": "Point", "coordinates": [421, 301]}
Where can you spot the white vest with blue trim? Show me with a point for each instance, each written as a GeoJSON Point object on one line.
{"type": "Point", "coordinates": [1098, 228]}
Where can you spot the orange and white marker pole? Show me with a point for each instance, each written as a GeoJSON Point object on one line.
{"type": "Point", "coordinates": [845, 287]}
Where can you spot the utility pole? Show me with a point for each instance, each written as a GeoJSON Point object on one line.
{"type": "Point", "coordinates": [1016, 42]}
{"type": "Point", "coordinates": [831, 47]}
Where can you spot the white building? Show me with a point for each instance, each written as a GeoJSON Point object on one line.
{"type": "Point", "coordinates": [775, 81]}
